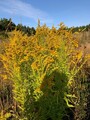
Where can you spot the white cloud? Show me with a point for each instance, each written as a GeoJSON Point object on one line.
{"type": "Point", "coordinates": [20, 8]}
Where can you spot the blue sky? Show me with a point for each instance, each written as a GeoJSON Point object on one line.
{"type": "Point", "coordinates": [51, 12]}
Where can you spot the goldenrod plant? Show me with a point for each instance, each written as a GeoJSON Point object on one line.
{"type": "Point", "coordinates": [43, 69]}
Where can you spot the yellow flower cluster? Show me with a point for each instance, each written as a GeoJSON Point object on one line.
{"type": "Point", "coordinates": [30, 62]}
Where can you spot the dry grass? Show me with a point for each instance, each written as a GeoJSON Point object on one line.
{"type": "Point", "coordinates": [85, 37]}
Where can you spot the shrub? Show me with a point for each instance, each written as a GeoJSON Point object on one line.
{"type": "Point", "coordinates": [43, 69]}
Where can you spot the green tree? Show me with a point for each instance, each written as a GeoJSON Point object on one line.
{"type": "Point", "coordinates": [6, 24]}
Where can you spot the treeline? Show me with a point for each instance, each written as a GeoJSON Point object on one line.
{"type": "Point", "coordinates": [9, 25]}
{"type": "Point", "coordinates": [81, 28]}
{"type": "Point", "coordinates": [6, 25]}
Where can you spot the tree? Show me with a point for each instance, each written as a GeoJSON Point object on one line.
{"type": "Point", "coordinates": [7, 25]}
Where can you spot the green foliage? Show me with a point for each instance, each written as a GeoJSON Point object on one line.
{"type": "Point", "coordinates": [27, 30]}
{"type": "Point", "coordinates": [6, 24]}
{"type": "Point", "coordinates": [80, 28]}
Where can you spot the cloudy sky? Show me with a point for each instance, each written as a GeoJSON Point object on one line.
{"type": "Point", "coordinates": [51, 12]}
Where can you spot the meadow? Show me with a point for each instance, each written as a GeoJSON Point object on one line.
{"type": "Point", "coordinates": [44, 76]}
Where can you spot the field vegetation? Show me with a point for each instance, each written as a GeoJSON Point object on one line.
{"type": "Point", "coordinates": [43, 75]}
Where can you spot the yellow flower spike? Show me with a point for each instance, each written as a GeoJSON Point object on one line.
{"type": "Point", "coordinates": [5, 77]}
{"type": "Point", "coordinates": [87, 56]}
{"type": "Point", "coordinates": [34, 66]}
{"type": "Point", "coordinates": [79, 55]}
{"type": "Point", "coordinates": [37, 90]}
